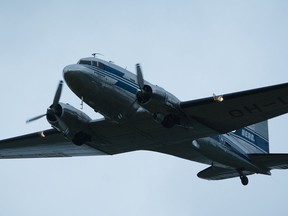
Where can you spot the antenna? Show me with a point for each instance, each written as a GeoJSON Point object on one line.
{"type": "Point", "coordinates": [95, 54]}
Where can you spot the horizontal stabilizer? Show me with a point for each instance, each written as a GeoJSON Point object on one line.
{"type": "Point", "coordinates": [271, 161]}
{"type": "Point", "coordinates": [218, 173]}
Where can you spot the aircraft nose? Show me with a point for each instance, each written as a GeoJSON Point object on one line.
{"type": "Point", "coordinates": [75, 74]}
{"type": "Point", "coordinates": [70, 73]}
{"type": "Point", "coordinates": [67, 69]}
{"type": "Point", "coordinates": [74, 70]}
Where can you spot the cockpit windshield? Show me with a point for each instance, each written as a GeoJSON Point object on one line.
{"type": "Point", "coordinates": [85, 62]}
{"type": "Point", "coordinates": [101, 66]}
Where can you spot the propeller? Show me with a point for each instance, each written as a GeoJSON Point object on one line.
{"type": "Point", "coordinates": [35, 118]}
{"type": "Point", "coordinates": [140, 78]}
{"type": "Point", "coordinates": [57, 95]}
{"type": "Point", "coordinates": [145, 92]}
{"type": "Point", "coordinates": [52, 108]}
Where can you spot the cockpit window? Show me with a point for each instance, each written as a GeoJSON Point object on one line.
{"type": "Point", "coordinates": [94, 63]}
{"type": "Point", "coordinates": [84, 62]}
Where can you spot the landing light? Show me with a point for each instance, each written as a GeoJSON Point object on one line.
{"type": "Point", "coordinates": [218, 98]}
{"type": "Point", "coordinates": [42, 134]}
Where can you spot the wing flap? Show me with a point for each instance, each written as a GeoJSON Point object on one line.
{"type": "Point", "coordinates": [239, 109]}
{"type": "Point", "coordinates": [271, 161]}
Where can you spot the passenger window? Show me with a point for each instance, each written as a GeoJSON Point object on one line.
{"type": "Point", "coordinates": [94, 63]}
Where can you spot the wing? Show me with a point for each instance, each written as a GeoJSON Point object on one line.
{"type": "Point", "coordinates": [141, 133]}
{"type": "Point", "coordinates": [271, 161]}
{"type": "Point", "coordinates": [239, 109]}
{"type": "Point", "coordinates": [49, 143]}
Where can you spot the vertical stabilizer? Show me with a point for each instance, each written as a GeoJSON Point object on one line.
{"type": "Point", "coordinates": [256, 136]}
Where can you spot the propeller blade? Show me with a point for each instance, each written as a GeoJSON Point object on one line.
{"type": "Point", "coordinates": [35, 118]}
{"type": "Point", "coordinates": [140, 78]}
{"type": "Point", "coordinates": [53, 107]}
{"type": "Point", "coordinates": [57, 95]}
{"type": "Point", "coordinates": [62, 125]}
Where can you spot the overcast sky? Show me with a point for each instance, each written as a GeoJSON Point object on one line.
{"type": "Point", "coordinates": [191, 48]}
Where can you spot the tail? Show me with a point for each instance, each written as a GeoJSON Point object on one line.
{"type": "Point", "coordinates": [255, 137]}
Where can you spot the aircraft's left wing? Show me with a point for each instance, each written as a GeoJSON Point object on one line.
{"type": "Point", "coordinates": [233, 111]}
{"type": "Point", "coordinates": [44, 144]}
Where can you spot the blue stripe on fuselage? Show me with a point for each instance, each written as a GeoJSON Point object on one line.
{"type": "Point", "coordinates": [113, 71]}
{"type": "Point", "coordinates": [126, 87]}
{"type": "Point", "coordinates": [119, 76]}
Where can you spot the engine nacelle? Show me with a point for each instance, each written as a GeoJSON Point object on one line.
{"type": "Point", "coordinates": [160, 103]}
{"type": "Point", "coordinates": [71, 122]}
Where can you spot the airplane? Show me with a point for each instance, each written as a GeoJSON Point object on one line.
{"type": "Point", "coordinates": [227, 132]}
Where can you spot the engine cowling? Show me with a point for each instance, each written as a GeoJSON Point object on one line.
{"type": "Point", "coordinates": [71, 122]}
{"type": "Point", "coordinates": [160, 103]}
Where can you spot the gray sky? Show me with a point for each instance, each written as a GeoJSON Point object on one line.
{"type": "Point", "coordinates": [191, 48]}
